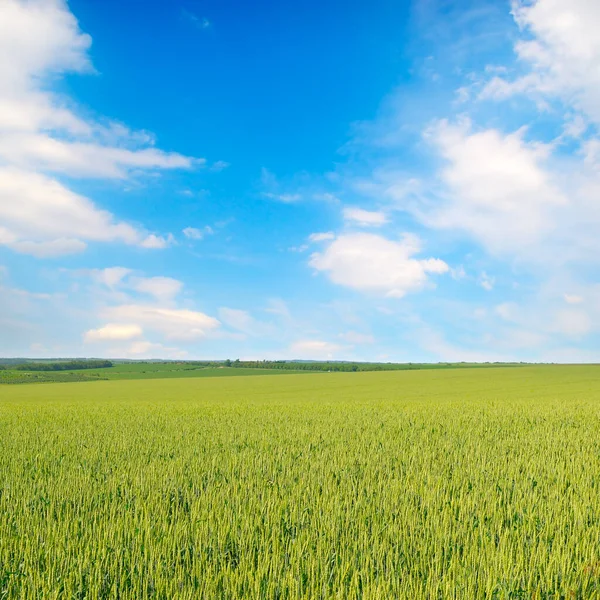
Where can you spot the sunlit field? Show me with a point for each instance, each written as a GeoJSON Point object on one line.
{"type": "Point", "coordinates": [472, 483]}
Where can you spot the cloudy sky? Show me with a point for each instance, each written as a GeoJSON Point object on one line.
{"type": "Point", "coordinates": [378, 180]}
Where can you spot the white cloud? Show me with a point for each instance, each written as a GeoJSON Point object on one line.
{"type": "Point", "coordinates": [562, 50]}
{"type": "Point", "coordinates": [40, 133]}
{"type": "Point", "coordinates": [572, 299]}
{"type": "Point", "coordinates": [40, 216]}
{"type": "Point", "coordinates": [51, 249]}
{"type": "Point", "coordinates": [365, 218]}
{"type": "Point", "coordinates": [83, 159]}
{"type": "Point", "coordinates": [38, 38]}
{"type": "Point", "coordinates": [174, 324]}
{"type": "Point", "coordinates": [199, 22]}
{"type": "Point", "coordinates": [497, 188]}
{"type": "Point", "coordinates": [193, 233]}
{"type": "Point", "coordinates": [154, 241]}
{"type": "Point", "coordinates": [111, 276]}
{"type": "Point", "coordinates": [299, 249]}
{"type": "Point", "coordinates": [458, 273]}
{"type": "Point", "coordinates": [321, 237]}
{"type": "Point", "coordinates": [113, 332]}
{"type": "Point", "coordinates": [274, 190]}
{"type": "Point", "coordinates": [314, 350]}
{"type": "Point", "coordinates": [326, 197]}
{"type": "Point", "coordinates": [516, 198]}
{"type": "Point", "coordinates": [163, 289]}
{"type": "Point", "coordinates": [486, 282]}
{"type": "Point", "coordinates": [285, 198]}
{"type": "Point", "coordinates": [41, 39]}
{"type": "Point", "coordinates": [372, 263]}
{"type": "Point", "coordinates": [121, 281]}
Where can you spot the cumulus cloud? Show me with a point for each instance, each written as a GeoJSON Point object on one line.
{"type": "Point", "coordinates": [113, 332]}
{"type": "Point", "coordinates": [371, 263]}
{"type": "Point", "coordinates": [562, 50]}
{"type": "Point", "coordinates": [42, 135]}
{"type": "Point", "coordinates": [172, 323]}
{"type": "Point", "coordinates": [364, 218]}
{"type": "Point", "coordinates": [498, 189]}
{"type": "Point", "coordinates": [140, 315]}
{"type": "Point", "coordinates": [154, 241]}
{"type": "Point", "coordinates": [42, 217]}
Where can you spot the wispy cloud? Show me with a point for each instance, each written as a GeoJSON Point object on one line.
{"type": "Point", "coordinates": [201, 23]}
{"type": "Point", "coordinates": [42, 136]}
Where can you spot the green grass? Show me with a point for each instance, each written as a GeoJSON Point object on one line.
{"type": "Point", "coordinates": [132, 371]}
{"type": "Point", "coordinates": [467, 483]}
{"type": "Point", "coordinates": [169, 370]}
{"type": "Point", "coordinates": [163, 370]}
{"type": "Point", "coordinates": [14, 376]}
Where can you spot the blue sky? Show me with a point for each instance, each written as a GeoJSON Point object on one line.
{"type": "Point", "coordinates": [394, 181]}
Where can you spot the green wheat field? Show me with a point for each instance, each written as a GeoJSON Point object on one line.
{"type": "Point", "coordinates": [434, 484]}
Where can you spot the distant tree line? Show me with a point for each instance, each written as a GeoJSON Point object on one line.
{"type": "Point", "coordinates": [72, 365]}
{"type": "Point", "coordinates": [317, 366]}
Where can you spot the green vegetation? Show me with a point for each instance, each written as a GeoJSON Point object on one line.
{"type": "Point", "coordinates": [463, 483]}
{"type": "Point", "coordinates": [132, 371]}
{"type": "Point", "coordinates": [70, 365]}
{"type": "Point", "coordinates": [18, 376]}
{"type": "Point", "coordinates": [46, 371]}
{"type": "Point", "coordinates": [341, 366]}
{"type": "Point", "coordinates": [59, 371]}
{"type": "Point", "coordinates": [175, 370]}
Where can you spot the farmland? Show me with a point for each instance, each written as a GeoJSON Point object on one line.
{"type": "Point", "coordinates": [449, 483]}
{"type": "Point", "coordinates": [131, 371]}
{"type": "Point", "coordinates": [43, 371]}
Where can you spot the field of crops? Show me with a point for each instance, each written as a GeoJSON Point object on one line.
{"type": "Point", "coordinates": [131, 371]}
{"type": "Point", "coordinates": [162, 370]}
{"type": "Point", "coordinates": [480, 483]}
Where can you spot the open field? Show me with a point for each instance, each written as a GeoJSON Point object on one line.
{"type": "Point", "coordinates": [465, 483]}
{"type": "Point", "coordinates": [132, 371]}
{"type": "Point", "coordinates": [163, 370]}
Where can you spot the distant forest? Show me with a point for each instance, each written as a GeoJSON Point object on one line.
{"type": "Point", "coordinates": [71, 365]}
{"type": "Point", "coordinates": [321, 366]}
{"type": "Point", "coordinates": [58, 364]}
